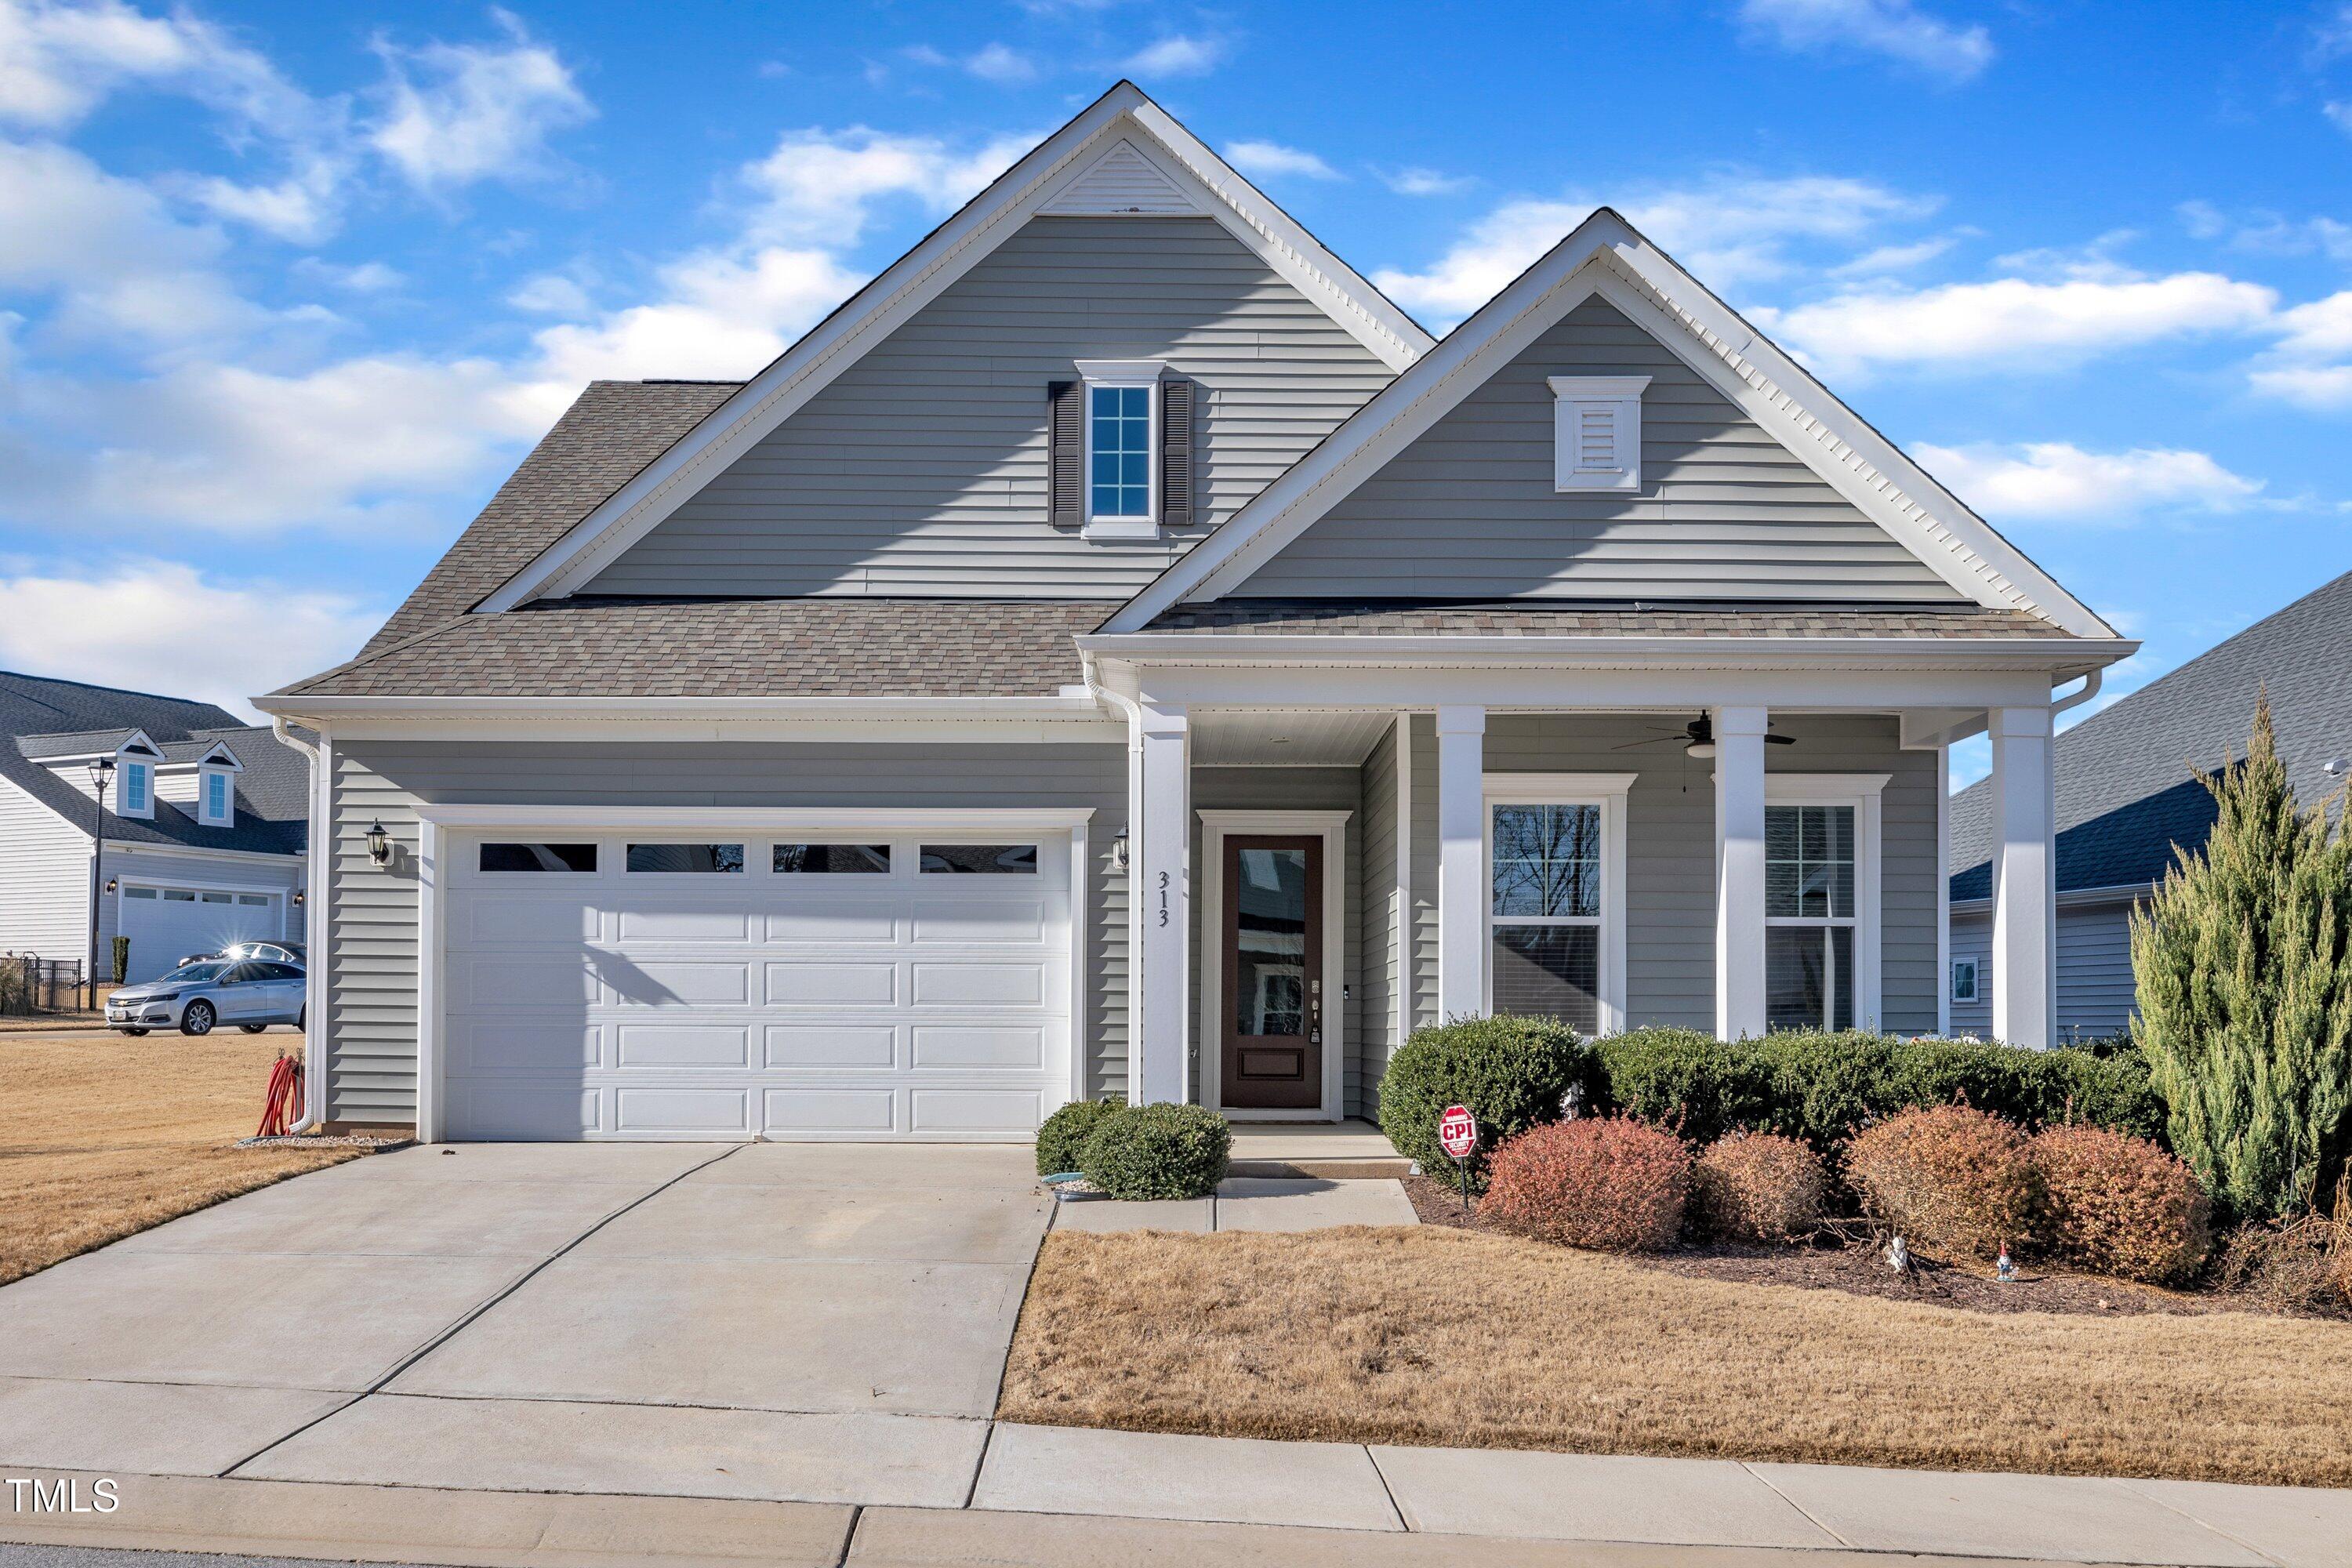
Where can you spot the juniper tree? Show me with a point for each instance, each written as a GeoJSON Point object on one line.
{"type": "Point", "coordinates": [2245, 991]}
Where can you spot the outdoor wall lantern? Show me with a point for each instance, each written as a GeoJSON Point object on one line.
{"type": "Point", "coordinates": [1118, 852]}
{"type": "Point", "coordinates": [379, 844]}
{"type": "Point", "coordinates": [297, 898]}
{"type": "Point", "coordinates": [112, 883]}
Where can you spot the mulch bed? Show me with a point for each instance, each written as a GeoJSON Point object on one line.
{"type": "Point", "coordinates": [1858, 1270]}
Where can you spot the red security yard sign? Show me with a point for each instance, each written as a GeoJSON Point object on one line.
{"type": "Point", "coordinates": [1457, 1130]}
{"type": "Point", "coordinates": [1457, 1134]}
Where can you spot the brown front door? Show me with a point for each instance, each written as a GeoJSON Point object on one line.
{"type": "Point", "coordinates": [1273, 957]}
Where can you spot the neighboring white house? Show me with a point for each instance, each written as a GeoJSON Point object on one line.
{"type": "Point", "coordinates": [2126, 799]}
{"type": "Point", "coordinates": [201, 839]}
{"type": "Point", "coordinates": [1120, 652]}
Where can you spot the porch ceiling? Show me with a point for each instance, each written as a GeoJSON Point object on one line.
{"type": "Point", "coordinates": [1297, 737]}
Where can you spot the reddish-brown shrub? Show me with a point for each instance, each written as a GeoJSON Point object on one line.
{"type": "Point", "coordinates": [1950, 1180]}
{"type": "Point", "coordinates": [1758, 1186]}
{"type": "Point", "coordinates": [2119, 1205]}
{"type": "Point", "coordinates": [1604, 1181]}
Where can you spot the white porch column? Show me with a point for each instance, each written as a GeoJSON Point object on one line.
{"type": "Point", "coordinates": [1462, 892]}
{"type": "Point", "coordinates": [1740, 993]}
{"type": "Point", "coordinates": [1160, 888]}
{"type": "Point", "coordinates": [2024, 879]}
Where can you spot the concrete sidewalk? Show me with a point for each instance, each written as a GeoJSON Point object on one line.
{"type": "Point", "coordinates": [1251, 1203]}
{"type": "Point", "coordinates": [1051, 1497]}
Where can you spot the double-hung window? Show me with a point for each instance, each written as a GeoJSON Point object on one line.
{"type": "Point", "coordinates": [215, 798]}
{"type": "Point", "coordinates": [1556, 872]}
{"type": "Point", "coordinates": [135, 794]}
{"type": "Point", "coordinates": [1122, 453]}
{"type": "Point", "coordinates": [1821, 902]}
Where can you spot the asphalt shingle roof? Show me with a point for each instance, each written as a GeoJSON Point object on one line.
{"type": "Point", "coordinates": [1339, 617]}
{"type": "Point", "coordinates": [2125, 794]}
{"type": "Point", "coordinates": [42, 716]}
{"type": "Point", "coordinates": [733, 648]}
{"type": "Point", "coordinates": [613, 430]}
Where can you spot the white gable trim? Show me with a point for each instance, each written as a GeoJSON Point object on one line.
{"type": "Point", "coordinates": [1605, 255]}
{"type": "Point", "coordinates": [1119, 183]}
{"type": "Point", "coordinates": [1121, 116]}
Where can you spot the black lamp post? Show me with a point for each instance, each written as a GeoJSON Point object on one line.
{"type": "Point", "coordinates": [100, 773]}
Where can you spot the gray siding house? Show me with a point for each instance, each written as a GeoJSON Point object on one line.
{"type": "Point", "coordinates": [1118, 652]}
{"type": "Point", "coordinates": [200, 841]}
{"type": "Point", "coordinates": [2126, 800]}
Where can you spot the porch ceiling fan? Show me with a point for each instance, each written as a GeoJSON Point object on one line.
{"type": "Point", "coordinates": [1697, 738]}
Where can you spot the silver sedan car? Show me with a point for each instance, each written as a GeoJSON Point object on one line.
{"type": "Point", "coordinates": [251, 994]}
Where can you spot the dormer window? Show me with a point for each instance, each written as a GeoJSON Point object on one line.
{"type": "Point", "coordinates": [215, 798]}
{"type": "Point", "coordinates": [134, 788]}
{"type": "Point", "coordinates": [1597, 432]}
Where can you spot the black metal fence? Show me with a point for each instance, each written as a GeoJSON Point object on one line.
{"type": "Point", "coordinates": [30, 983]}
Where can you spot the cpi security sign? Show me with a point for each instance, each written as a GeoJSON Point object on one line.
{"type": "Point", "coordinates": [1457, 1130]}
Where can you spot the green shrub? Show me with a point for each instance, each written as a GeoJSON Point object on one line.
{"type": "Point", "coordinates": [1065, 1133]}
{"type": "Point", "coordinates": [1821, 1087]}
{"type": "Point", "coordinates": [1158, 1152]}
{"type": "Point", "coordinates": [1512, 1072]}
{"type": "Point", "coordinates": [1951, 1181]}
{"type": "Point", "coordinates": [2117, 1204]}
{"type": "Point", "coordinates": [1604, 1181]}
{"type": "Point", "coordinates": [2243, 965]}
{"type": "Point", "coordinates": [1758, 1186]}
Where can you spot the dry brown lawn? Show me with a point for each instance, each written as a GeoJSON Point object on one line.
{"type": "Point", "coordinates": [101, 1135]}
{"type": "Point", "coordinates": [1447, 1338]}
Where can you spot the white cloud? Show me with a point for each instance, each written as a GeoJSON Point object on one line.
{"type": "Point", "coordinates": [2340, 115]}
{"type": "Point", "coordinates": [1420, 181]}
{"type": "Point", "coordinates": [300, 209]}
{"type": "Point", "coordinates": [552, 294]}
{"type": "Point", "coordinates": [1888, 258]}
{"type": "Point", "coordinates": [59, 61]}
{"type": "Point", "coordinates": [1273, 159]}
{"type": "Point", "coordinates": [823, 186]}
{"type": "Point", "coordinates": [2326, 388]}
{"type": "Point", "coordinates": [1726, 231]}
{"type": "Point", "coordinates": [117, 263]}
{"type": "Point", "coordinates": [363, 278]}
{"type": "Point", "coordinates": [1002, 64]}
{"type": "Point", "coordinates": [2262, 232]}
{"type": "Point", "coordinates": [2309, 367]}
{"type": "Point", "coordinates": [2014, 322]}
{"type": "Point", "coordinates": [1895, 29]}
{"type": "Point", "coordinates": [170, 629]}
{"type": "Point", "coordinates": [455, 113]}
{"type": "Point", "coordinates": [2319, 328]}
{"type": "Point", "coordinates": [2059, 481]}
{"type": "Point", "coordinates": [1179, 54]}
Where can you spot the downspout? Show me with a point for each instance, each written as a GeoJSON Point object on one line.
{"type": "Point", "coordinates": [1134, 712]}
{"type": "Point", "coordinates": [2091, 684]}
{"type": "Point", "coordinates": [314, 1064]}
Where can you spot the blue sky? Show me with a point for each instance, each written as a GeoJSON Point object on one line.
{"type": "Point", "coordinates": [286, 290]}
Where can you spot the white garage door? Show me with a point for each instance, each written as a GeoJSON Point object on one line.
{"type": "Point", "coordinates": [633, 986]}
{"type": "Point", "coordinates": [166, 924]}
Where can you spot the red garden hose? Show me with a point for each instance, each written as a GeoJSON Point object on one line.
{"type": "Point", "coordinates": [283, 1105]}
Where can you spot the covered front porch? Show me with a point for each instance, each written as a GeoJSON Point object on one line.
{"type": "Point", "coordinates": [1314, 879]}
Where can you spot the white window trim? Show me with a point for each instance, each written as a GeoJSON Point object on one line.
{"type": "Point", "coordinates": [1571, 394]}
{"type": "Point", "coordinates": [121, 774]}
{"type": "Point", "coordinates": [204, 814]}
{"type": "Point", "coordinates": [1332, 827]}
{"type": "Point", "coordinates": [1952, 983]}
{"type": "Point", "coordinates": [1110, 373]}
{"type": "Point", "coordinates": [1862, 792]}
{"type": "Point", "coordinates": [1607, 790]}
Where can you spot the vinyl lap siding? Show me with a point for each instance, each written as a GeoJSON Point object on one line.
{"type": "Point", "coordinates": [1669, 849]}
{"type": "Point", "coordinates": [1468, 510]}
{"type": "Point", "coordinates": [2096, 988]}
{"type": "Point", "coordinates": [921, 470]}
{"type": "Point", "coordinates": [1382, 926]}
{"type": "Point", "coordinates": [43, 879]}
{"type": "Point", "coordinates": [373, 912]}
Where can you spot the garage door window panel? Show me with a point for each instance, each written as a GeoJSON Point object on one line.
{"type": "Point", "coordinates": [686, 859]}
{"type": "Point", "coordinates": [829, 860]}
{"type": "Point", "coordinates": [983, 859]}
{"type": "Point", "coordinates": [573, 858]}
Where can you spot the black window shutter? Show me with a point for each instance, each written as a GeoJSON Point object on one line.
{"type": "Point", "coordinates": [1064, 455]}
{"type": "Point", "coordinates": [1176, 453]}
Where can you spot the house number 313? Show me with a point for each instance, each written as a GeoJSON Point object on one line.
{"type": "Point", "coordinates": [1163, 898]}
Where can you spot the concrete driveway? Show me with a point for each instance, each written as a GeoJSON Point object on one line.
{"type": "Point", "coordinates": [828, 1324]}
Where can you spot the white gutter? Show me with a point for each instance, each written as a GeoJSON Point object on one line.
{"type": "Point", "coordinates": [314, 916]}
{"type": "Point", "coordinates": [880, 710]}
{"type": "Point", "coordinates": [1613, 652]}
{"type": "Point", "coordinates": [2091, 683]}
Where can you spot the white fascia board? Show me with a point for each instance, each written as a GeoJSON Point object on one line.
{"type": "Point", "coordinates": [1606, 256]}
{"type": "Point", "coordinates": [921, 718]}
{"type": "Point", "coordinates": [2068, 898]}
{"type": "Point", "coordinates": [198, 852]}
{"type": "Point", "coordinates": [2056, 654]}
{"type": "Point", "coordinates": [754, 819]}
{"type": "Point", "coordinates": [917, 277]}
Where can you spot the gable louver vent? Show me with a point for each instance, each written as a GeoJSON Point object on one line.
{"type": "Point", "coordinates": [1597, 432]}
{"type": "Point", "coordinates": [1122, 182]}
